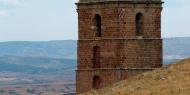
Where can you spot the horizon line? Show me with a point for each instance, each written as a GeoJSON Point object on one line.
{"type": "Point", "coordinates": [68, 40]}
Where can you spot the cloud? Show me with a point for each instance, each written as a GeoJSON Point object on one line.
{"type": "Point", "coordinates": [11, 2]}
{"type": "Point", "coordinates": [7, 5]}
{"type": "Point", "coordinates": [3, 13]}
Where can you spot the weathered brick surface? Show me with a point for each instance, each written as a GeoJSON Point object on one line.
{"type": "Point", "coordinates": [111, 25]}
{"type": "Point", "coordinates": [130, 53]}
{"type": "Point", "coordinates": [119, 45]}
{"type": "Point", "coordinates": [108, 77]}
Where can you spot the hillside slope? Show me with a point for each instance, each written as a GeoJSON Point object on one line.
{"type": "Point", "coordinates": [171, 80]}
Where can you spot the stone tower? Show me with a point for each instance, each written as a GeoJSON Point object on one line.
{"type": "Point", "coordinates": [117, 39]}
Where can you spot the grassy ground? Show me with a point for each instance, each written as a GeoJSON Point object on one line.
{"type": "Point", "coordinates": [170, 80]}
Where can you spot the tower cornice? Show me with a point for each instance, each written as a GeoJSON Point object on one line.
{"type": "Point", "coordinates": [87, 2]}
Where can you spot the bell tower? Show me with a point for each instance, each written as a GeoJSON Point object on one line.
{"type": "Point", "coordinates": [117, 39]}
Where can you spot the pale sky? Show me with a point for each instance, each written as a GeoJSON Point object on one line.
{"type": "Point", "coordinates": [44, 20]}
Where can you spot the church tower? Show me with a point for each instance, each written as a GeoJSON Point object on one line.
{"type": "Point", "coordinates": [117, 39]}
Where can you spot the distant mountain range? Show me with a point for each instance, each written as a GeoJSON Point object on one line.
{"type": "Point", "coordinates": [52, 49]}
{"type": "Point", "coordinates": [36, 65]}
{"type": "Point", "coordinates": [176, 48]}
{"type": "Point", "coordinates": [59, 56]}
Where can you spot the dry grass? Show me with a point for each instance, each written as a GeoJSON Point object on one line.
{"type": "Point", "coordinates": [171, 80]}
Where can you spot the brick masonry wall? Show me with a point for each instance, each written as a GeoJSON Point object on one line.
{"type": "Point", "coordinates": [107, 76]}
{"type": "Point", "coordinates": [128, 53]}
{"type": "Point", "coordinates": [119, 45]}
{"type": "Point", "coordinates": [112, 26]}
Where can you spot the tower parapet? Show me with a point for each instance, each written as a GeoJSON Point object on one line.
{"type": "Point", "coordinates": [129, 1]}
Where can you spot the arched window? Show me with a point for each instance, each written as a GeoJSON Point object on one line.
{"type": "Point", "coordinates": [96, 57]}
{"type": "Point", "coordinates": [97, 24]}
{"type": "Point", "coordinates": [139, 24]}
{"type": "Point", "coordinates": [96, 82]}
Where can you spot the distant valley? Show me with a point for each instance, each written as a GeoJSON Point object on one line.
{"type": "Point", "coordinates": [36, 65]}
{"type": "Point", "coordinates": [27, 68]}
